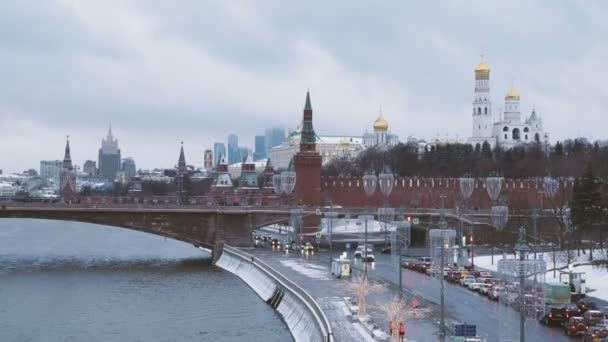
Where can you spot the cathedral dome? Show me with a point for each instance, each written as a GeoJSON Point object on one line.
{"type": "Point", "coordinates": [512, 94]}
{"type": "Point", "coordinates": [482, 67]}
{"type": "Point", "coordinates": [380, 124]}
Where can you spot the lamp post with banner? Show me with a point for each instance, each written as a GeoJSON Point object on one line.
{"type": "Point", "coordinates": [386, 179]}
{"type": "Point", "coordinates": [467, 185]}
{"type": "Point", "coordinates": [400, 242]}
{"type": "Point", "coordinates": [287, 184]}
{"type": "Point", "coordinates": [330, 216]}
{"type": "Point", "coordinates": [369, 186]}
{"type": "Point", "coordinates": [500, 216]}
{"type": "Point", "coordinates": [441, 244]}
{"type": "Point", "coordinates": [277, 187]}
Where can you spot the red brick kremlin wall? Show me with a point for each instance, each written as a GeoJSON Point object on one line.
{"type": "Point", "coordinates": [411, 192]}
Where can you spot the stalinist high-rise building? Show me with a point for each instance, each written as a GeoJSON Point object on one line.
{"type": "Point", "coordinates": [507, 130]}
{"type": "Point", "coordinates": [109, 157]}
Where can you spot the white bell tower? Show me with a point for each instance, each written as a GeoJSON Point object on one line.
{"type": "Point", "coordinates": [482, 106]}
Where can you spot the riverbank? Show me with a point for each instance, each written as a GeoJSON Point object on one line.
{"type": "Point", "coordinates": [301, 313]}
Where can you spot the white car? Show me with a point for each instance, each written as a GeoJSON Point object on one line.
{"type": "Point", "coordinates": [475, 285]}
{"type": "Point", "coordinates": [359, 253]}
{"type": "Point", "coordinates": [464, 281]}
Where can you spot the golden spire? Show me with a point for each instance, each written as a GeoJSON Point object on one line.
{"type": "Point", "coordinates": [512, 94]}
{"type": "Point", "coordinates": [482, 68]}
{"type": "Point", "coordinates": [380, 124]}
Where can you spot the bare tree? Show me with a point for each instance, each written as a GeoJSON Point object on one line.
{"type": "Point", "coordinates": [398, 310]}
{"type": "Point", "coordinates": [360, 287]}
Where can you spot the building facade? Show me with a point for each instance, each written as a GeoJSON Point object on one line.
{"type": "Point", "coordinates": [219, 152]}
{"type": "Point", "coordinates": [509, 129]}
{"type": "Point", "coordinates": [50, 169]}
{"type": "Point", "coordinates": [90, 168]}
{"type": "Point", "coordinates": [260, 147]}
{"type": "Point", "coordinates": [109, 159]}
{"type": "Point", "coordinates": [234, 155]}
{"type": "Point", "coordinates": [129, 168]}
{"type": "Point", "coordinates": [274, 137]}
{"type": "Point", "coordinates": [208, 160]}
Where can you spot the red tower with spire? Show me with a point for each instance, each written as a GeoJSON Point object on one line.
{"type": "Point", "coordinates": [67, 178]}
{"type": "Point", "coordinates": [307, 162]}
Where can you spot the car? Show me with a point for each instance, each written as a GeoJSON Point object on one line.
{"type": "Point", "coordinates": [257, 237]}
{"type": "Point", "coordinates": [360, 251]}
{"type": "Point", "coordinates": [464, 281]}
{"type": "Point", "coordinates": [555, 314]}
{"type": "Point", "coordinates": [370, 257]}
{"type": "Point", "coordinates": [266, 237]}
{"type": "Point", "coordinates": [425, 259]}
{"type": "Point", "coordinates": [595, 334]}
{"type": "Point", "coordinates": [474, 285]}
{"type": "Point", "coordinates": [605, 311]}
{"type": "Point", "coordinates": [575, 326]}
{"type": "Point", "coordinates": [592, 317]}
{"type": "Point", "coordinates": [494, 294]}
{"type": "Point", "coordinates": [485, 274]}
{"type": "Point", "coordinates": [572, 310]}
{"type": "Point", "coordinates": [602, 323]}
{"type": "Point", "coordinates": [453, 277]}
{"type": "Point", "coordinates": [386, 250]}
{"type": "Point", "coordinates": [585, 305]}
{"type": "Point", "coordinates": [308, 247]}
{"type": "Point", "coordinates": [409, 264]}
{"type": "Point", "coordinates": [275, 242]}
{"type": "Point", "coordinates": [485, 289]}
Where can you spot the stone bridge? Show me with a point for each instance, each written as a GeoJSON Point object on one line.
{"type": "Point", "coordinates": [212, 227]}
{"type": "Point", "coordinates": [202, 227]}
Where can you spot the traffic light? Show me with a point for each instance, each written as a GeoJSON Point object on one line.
{"type": "Point", "coordinates": [471, 239]}
{"type": "Point", "coordinates": [409, 219]}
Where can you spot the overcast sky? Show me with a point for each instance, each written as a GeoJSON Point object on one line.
{"type": "Point", "coordinates": [165, 71]}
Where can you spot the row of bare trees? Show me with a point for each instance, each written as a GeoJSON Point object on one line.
{"type": "Point", "coordinates": [564, 159]}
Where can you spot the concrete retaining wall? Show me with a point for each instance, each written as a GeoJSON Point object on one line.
{"type": "Point", "coordinates": [302, 315]}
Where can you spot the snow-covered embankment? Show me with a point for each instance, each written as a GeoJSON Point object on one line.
{"type": "Point", "coordinates": [301, 313]}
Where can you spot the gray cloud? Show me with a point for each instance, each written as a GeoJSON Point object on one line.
{"type": "Point", "coordinates": [163, 72]}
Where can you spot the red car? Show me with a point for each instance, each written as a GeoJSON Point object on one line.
{"type": "Point", "coordinates": [575, 326]}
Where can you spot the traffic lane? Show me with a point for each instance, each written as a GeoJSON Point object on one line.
{"type": "Point", "coordinates": [462, 304]}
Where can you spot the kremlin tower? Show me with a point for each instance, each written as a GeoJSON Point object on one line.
{"type": "Point", "coordinates": [67, 179]}
{"type": "Point", "coordinates": [307, 162]}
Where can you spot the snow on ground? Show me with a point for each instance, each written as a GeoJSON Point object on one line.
{"type": "Point", "coordinates": [307, 269]}
{"type": "Point", "coordinates": [596, 278]}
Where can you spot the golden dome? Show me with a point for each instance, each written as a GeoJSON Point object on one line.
{"type": "Point", "coordinates": [512, 94]}
{"type": "Point", "coordinates": [380, 124]}
{"type": "Point", "coordinates": [482, 67]}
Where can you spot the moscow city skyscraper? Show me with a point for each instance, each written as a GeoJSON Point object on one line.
{"type": "Point", "coordinates": [109, 157]}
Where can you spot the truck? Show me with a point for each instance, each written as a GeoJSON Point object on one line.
{"type": "Point", "coordinates": [556, 294]}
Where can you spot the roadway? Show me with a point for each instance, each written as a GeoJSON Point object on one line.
{"type": "Point", "coordinates": [461, 304]}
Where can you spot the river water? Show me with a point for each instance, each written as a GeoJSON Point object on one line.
{"type": "Point", "coordinates": [66, 281]}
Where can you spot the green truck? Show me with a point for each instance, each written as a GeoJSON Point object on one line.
{"type": "Point", "coordinates": [556, 294]}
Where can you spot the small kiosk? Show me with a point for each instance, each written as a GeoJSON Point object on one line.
{"type": "Point", "coordinates": [341, 267]}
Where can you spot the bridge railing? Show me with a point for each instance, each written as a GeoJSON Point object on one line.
{"type": "Point", "coordinates": [300, 293]}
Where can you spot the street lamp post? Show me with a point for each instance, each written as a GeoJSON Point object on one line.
{"type": "Point", "coordinates": [493, 184]}
{"type": "Point", "coordinates": [523, 249]}
{"type": "Point", "coordinates": [467, 185]}
{"type": "Point", "coordinates": [535, 216]}
{"type": "Point", "coordinates": [288, 184]}
{"type": "Point", "coordinates": [500, 216]}
{"type": "Point", "coordinates": [386, 180]}
{"type": "Point", "coordinates": [369, 185]}
{"type": "Point", "coordinates": [278, 189]}
{"type": "Point", "coordinates": [329, 217]}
